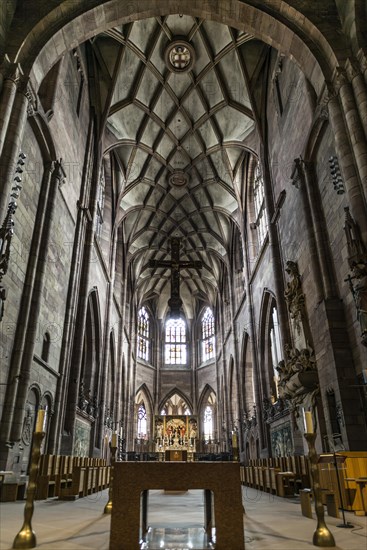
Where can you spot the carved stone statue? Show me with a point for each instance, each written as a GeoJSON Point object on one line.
{"type": "Point", "coordinates": [296, 302]}
{"type": "Point", "coordinates": [360, 297]}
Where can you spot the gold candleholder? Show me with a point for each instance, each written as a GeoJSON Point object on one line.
{"type": "Point", "coordinates": [322, 536]}
{"type": "Point", "coordinates": [26, 538]}
{"type": "Point", "coordinates": [108, 507]}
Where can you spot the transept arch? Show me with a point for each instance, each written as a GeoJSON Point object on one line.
{"type": "Point", "coordinates": [58, 30]}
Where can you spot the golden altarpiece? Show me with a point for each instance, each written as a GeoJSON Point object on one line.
{"type": "Point", "coordinates": [175, 437]}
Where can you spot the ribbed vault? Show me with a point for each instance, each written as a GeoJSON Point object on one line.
{"type": "Point", "coordinates": [179, 141]}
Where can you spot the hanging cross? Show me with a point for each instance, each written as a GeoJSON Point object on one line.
{"type": "Point", "coordinates": [175, 302]}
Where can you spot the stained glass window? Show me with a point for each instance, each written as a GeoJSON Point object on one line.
{"type": "Point", "coordinates": [208, 338]}
{"type": "Point", "coordinates": [175, 342]}
{"type": "Point", "coordinates": [143, 334]}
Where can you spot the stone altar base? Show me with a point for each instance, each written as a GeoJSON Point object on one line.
{"type": "Point", "coordinates": [133, 479]}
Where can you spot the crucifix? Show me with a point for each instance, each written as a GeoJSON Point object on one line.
{"type": "Point", "coordinates": [175, 302]}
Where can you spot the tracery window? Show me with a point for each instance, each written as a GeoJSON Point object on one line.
{"type": "Point", "coordinates": [175, 342]}
{"type": "Point", "coordinates": [100, 206]}
{"type": "Point", "coordinates": [207, 335]}
{"type": "Point", "coordinates": [142, 422]}
{"type": "Point", "coordinates": [259, 204]}
{"type": "Point", "coordinates": [208, 423]}
{"type": "Point", "coordinates": [143, 334]}
{"type": "Point", "coordinates": [276, 346]}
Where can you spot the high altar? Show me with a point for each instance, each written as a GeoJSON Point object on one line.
{"type": "Point", "coordinates": [176, 437]}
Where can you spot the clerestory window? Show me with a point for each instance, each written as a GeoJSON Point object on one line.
{"type": "Point", "coordinates": [143, 334]}
{"type": "Point", "coordinates": [207, 335]}
{"type": "Point", "coordinates": [175, 342]}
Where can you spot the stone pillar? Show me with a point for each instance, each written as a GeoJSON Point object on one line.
{"type": "Point", "coordinates": [24, 312]}
{"type": "Point", "coordinates": [7, 99]}
{"type": "Point", "coordinates": [57, 178]}
{"type": "Point", "coordinates": [319, 225]}
{"type": "Point", "coordinates": [354, 126]}
{"type": "Point", "coordinates": [77, 353]}
{"type": "Point", "coordinates": [346, 161]}
{"type": "Point", "coordinates": [360, 91]}
{"type": "Point", "coordinates": [72, 298]}
{"type": "Point", "coordinates": [106, 346]}
{"type": "Point", "coordinates": [275, 252]}
{"type": "Point", "coordinates": [301, 180]}
{"type": "Point", "coordinates": [13, 142]}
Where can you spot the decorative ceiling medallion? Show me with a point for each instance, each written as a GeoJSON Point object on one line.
{"type": "Point", "coordinates": [178, 179]}
{"type": "Point", "coordinates": [179, 56]}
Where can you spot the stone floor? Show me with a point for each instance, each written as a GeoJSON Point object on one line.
{"type": "Point", "coordinates": [175, 523]}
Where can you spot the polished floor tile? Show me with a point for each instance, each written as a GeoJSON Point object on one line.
{"type": "Point", "coordinates": [176, 523]}
{"type": "Point", "coordinates": [177, 539]}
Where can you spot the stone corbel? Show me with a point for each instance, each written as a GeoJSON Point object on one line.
{"type": "Point", "coordinates": [59, 173]}
{"type": "Point", "coordinates": [297, 176]}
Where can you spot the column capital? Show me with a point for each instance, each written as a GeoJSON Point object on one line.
{"type": "Point", "coordinates": [339, 79]}
{"type": "Point", "coordinates": [11, 71]}
{"type": "Point", "coordinates": [352, 68]}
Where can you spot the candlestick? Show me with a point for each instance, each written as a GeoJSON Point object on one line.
{"type": "Point", "coordinates": [40, 421]}
{"type": "Point", "coordinates": [322, 536]}
{"type": "Point", "coordinates": [26, 538]}
{"type": "Point", "coordinates": [114, 440]}
{"type": "Point", "coordinates": [309, 422]}
{"type": "Point", "coordinates": [108, 507]}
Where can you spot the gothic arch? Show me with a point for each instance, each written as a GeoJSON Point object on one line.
{"type": "Point", "coordinates": [143, 391]}
{"type": "Point", "coordinates": [171, 393]}
{"type": "Point", "coordinates": [143, 396]}
{"type": "Point", "coordinates": [91, 360]}
{"type": "Point", "coordinates": [281, 26]}
{"type": "Point", "coordinates": [266, 373]}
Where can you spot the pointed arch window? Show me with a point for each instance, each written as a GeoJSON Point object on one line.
{"type": "Point", "coordinates": [175, 342]}
{"type": "Point", "coordinates": [142, 422]}
{"type": "Point", "coordinates": [276, 348]}
{"type": "Point", "coordinates": [208, 423]}
{"type": "Point", "coordinates": [45, 353]}
{"type": "Point", "coordinates": [207, 335]}
{"type": "Point", "coordinates": [143, 334]}
{"type": "Point", "coordinates": [259, 205]}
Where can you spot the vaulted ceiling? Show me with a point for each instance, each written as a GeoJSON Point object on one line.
{"type": "Point", "coordinates": [176, 95]}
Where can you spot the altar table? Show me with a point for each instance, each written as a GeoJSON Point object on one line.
{"type": "Point", "coordinates": [132, 480]}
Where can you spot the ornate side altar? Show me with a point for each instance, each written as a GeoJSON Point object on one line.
{"type": "Point", "coordinates": [175, 437]}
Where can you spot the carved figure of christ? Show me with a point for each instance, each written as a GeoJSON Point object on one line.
{"type": "Point", "coordinates": [175, 302]}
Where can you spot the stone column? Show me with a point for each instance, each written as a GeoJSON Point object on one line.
{"type": "Point", "coordinates": [275, 252]}
{"type": "Point", "coordinates": [57, 178]}
{"type": "Point", "coordinates": [24, 312]}
{"type": "Point", "coordinates": [106, 346]}
{"type": "Point", "coordinates": [7, 99]}
{"type": "Point", "coordinates": [318, 225]}
{"type": "Point", "coordinates": [354, 126]}
{"type": "Point", "coordinates": [360, 91]}
{"type": "Point", "coordinates": [13, 142]}
{"type": "Point", "coordinates": [77, 353]}
{"type": "Point", "coordinates": [301, 180]}
{"type": "Point", "coordinates": [72, 298]}
{"type": "Point", "coordinates": [346, 161]}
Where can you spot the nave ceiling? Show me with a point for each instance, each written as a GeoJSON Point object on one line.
{"type": "Point", "coordinates": [180, 137]}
